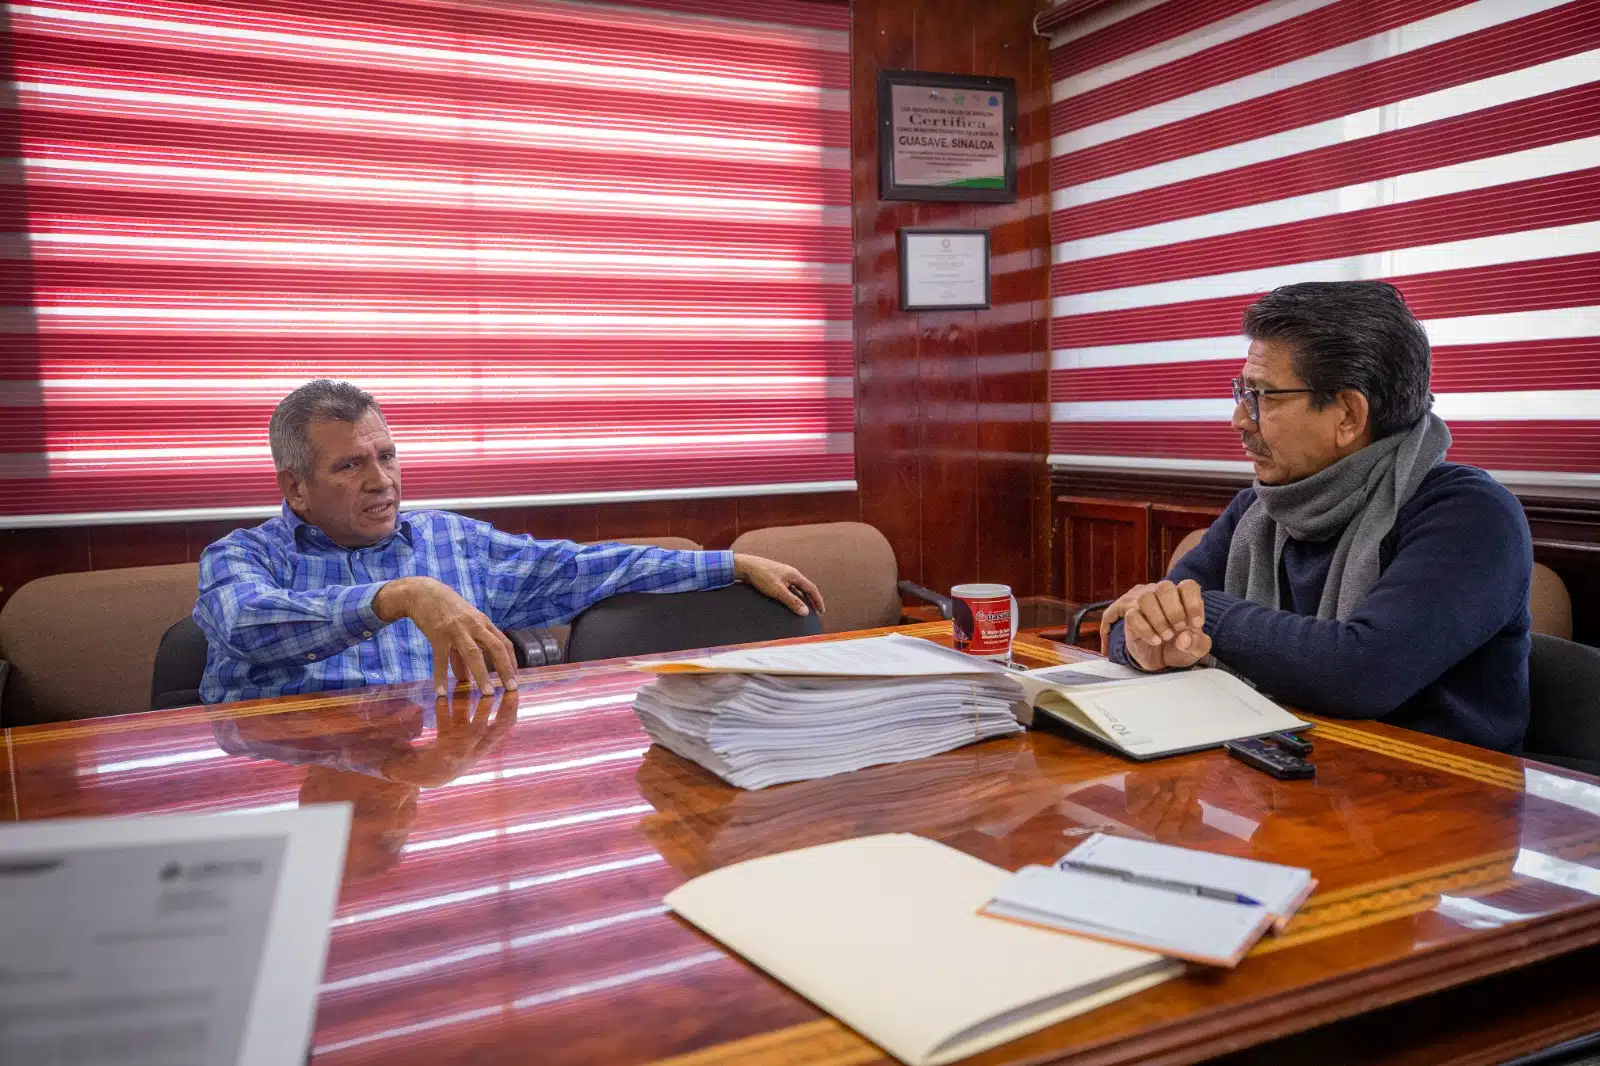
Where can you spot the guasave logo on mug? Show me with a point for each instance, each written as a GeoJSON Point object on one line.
{"type": "Point", "coordinates": [984, 618]}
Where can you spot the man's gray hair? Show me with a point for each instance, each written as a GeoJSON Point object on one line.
{"type": "Point", "coordinates": [322, 400]}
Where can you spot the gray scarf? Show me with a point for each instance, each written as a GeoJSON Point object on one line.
{"type": "Point", "coordinates": [1355, 499]}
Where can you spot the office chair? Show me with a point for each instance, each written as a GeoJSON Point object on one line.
{"type": "Point", "coordinates": [643, 623]}
{"type": "Point", "coordinates": [180, 664]}
{"type": "Point", "coordinates": [851, 563]}
{"type": "Point", "coordinates": [1549, 603]}
{"type": "Point", "coordinates": [1564, 683]}
{"type": "Point", "coordinates": [1190, 539]}
{"type": "Point", "coordinates": [82, 645]}
{"type": "Point", "coordinates": [853, 566]}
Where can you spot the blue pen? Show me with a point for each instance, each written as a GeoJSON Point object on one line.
{"type": "Point", "coordinates": [1156, 882]}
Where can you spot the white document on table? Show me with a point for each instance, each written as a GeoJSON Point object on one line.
{"type": "Point", "coordinates": [166, 940]}
{"type": "Point", "coordinates": [891, 656]}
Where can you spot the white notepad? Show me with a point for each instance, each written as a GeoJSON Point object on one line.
{"type": "Point", "coordinates": [1280, 889]}
{"type": "Point", "coordinates": [883, 932]}
{"type": "Point", "coordinates": [1185, 903]}
{"type": "Point", "coordinates": [1155, 919]}
{"type": "Point", "coordinates": [1149, 715]}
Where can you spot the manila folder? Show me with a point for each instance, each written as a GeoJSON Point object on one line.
{"type": "Point", "coordinates": [883, 933]}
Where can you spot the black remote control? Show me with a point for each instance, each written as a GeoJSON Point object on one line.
{"type": "Point", "coordinates": [1294, 745]}
{"type": "Point", "coordinates": [1270, 759]}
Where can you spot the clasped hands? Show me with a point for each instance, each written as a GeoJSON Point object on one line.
{"type": "Point", "coordinates": [466, 642]}
{"type": "Point", "coordinates": [1163, 624]}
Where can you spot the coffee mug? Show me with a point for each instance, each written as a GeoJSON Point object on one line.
{"type": "Point", "coordinates": [985, 619]}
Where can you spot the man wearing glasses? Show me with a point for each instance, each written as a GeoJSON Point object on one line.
{"type": "Point", "coordinates": [1361, 576]}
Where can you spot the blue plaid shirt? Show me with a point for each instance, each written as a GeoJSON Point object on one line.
{"type": "Point", "coordinates": [286, 610]}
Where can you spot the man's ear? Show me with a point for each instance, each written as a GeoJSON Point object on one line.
{"type": "Point", "coordinates": [293, 489]}
{"type": "Point", "coordinates": [1355, 424]}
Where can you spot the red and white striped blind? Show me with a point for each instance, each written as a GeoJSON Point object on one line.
{"type": "Point", "coordinates": [1207, 151]}
{"type": "Point", "coordinates": [578, 251]}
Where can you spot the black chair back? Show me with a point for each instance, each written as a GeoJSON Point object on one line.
{"type": "Point", "coordinates": [643, 623]}
{"type": "Point", "coordinates": [1564, 683]}
{"type": "Point", "coordinates": [180, 664]}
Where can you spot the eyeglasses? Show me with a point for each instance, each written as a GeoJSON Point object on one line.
{"type": "Point", "coordinates": [1251, 398]}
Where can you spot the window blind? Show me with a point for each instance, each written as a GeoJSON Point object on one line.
{"type": "Point", "coordinates": [578, 251]}
{"type": "Point", "coordinates": [1207, 151]}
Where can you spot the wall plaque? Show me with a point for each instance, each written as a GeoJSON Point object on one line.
{"type": "Point", "coordinates": [946, 137]}
{"type": "Point", "coordinates": [944, 269]}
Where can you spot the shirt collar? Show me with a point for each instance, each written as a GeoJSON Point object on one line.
{"type": "Point", "coordinates": [301, 531]}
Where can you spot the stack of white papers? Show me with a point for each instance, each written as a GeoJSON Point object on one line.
{"type": "Point", "coordinates": [766, 716]}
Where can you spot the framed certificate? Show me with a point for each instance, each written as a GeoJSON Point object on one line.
{"type": "Point", "coordinates": [946, 137]}
{"type": "Point", "coordinates": [944, 269]}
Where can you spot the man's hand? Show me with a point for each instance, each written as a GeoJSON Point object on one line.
{"type": "Point", "coordinates": [459, 632]}
{"type": "Point", "coordinates": [1163, 624]}
{"type": "Point", "coordinates": [774, 579]}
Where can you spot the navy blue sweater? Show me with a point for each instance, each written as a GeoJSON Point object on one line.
{"type": "Point", "coordinates": [1439, 645]}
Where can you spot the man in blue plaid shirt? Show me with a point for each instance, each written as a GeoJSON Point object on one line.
{"type": "Point", "coordinates": [342, 590]}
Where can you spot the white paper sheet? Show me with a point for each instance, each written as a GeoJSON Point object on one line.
{"type": "Point", "coordinates": [166, 939]}
{"type": "Point", "coordinates": [891, 656]}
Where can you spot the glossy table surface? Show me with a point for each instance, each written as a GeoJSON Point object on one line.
{"type": "Point", "coordinates": [502, 898]}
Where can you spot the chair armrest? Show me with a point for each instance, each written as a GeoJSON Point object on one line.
{"type": "Point", "coordinates": [1082, 613]}
{"type": "Point", "coordinates": [911, 588]}
{"type": "Point", "coordinates": [536, 647]}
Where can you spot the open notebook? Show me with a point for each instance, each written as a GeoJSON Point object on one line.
{"type": "Point", "coordinates": [1146, 716]}
{"type": "Point", "coordinates": [883, 932]}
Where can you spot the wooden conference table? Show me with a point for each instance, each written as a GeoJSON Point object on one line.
{"type": "Point", "coordinates": [502, 901]}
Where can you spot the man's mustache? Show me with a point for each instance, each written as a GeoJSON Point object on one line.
{"type": "Point", "coordinates": [1255, 444]}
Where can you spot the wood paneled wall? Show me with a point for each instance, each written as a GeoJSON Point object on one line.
{"type": "Point", "coordinates": [952, 408]}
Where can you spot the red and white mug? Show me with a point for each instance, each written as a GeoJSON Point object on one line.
{"type": "Point", "coordinates": [985, 619]}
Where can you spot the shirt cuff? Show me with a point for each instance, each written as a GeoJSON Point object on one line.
{"type": "Point", "coordinates": [713, 570]}
{"type": "Point", "coordinates": [1117, 652]}
{"type": "Point", "coordinates": [352, 616]}
{"type": "Point", "coordinates": [1117, 647]}
{"type": "Point", "coordinates": [1217, 604]}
